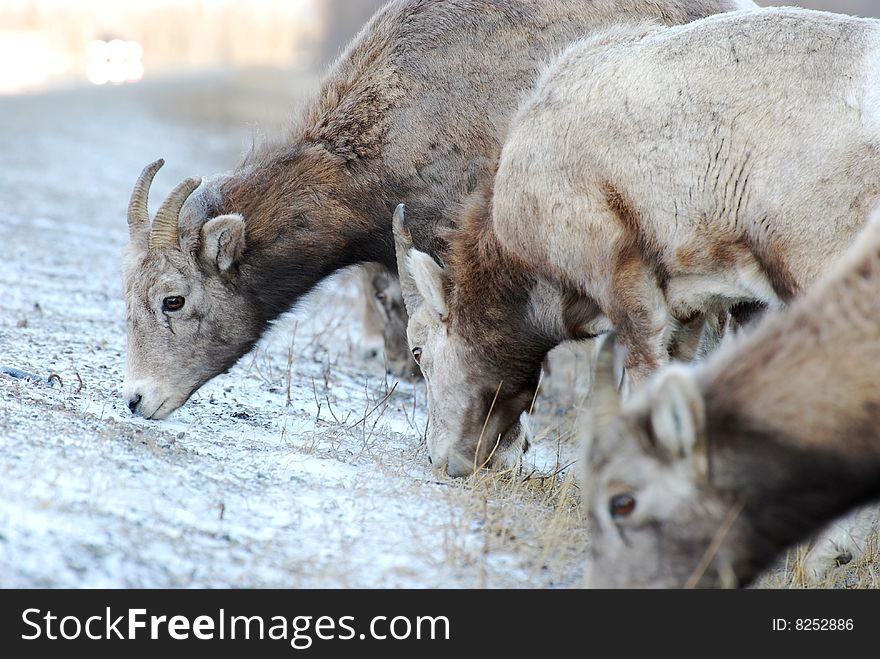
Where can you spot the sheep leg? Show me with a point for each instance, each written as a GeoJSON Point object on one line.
{"type": "Point", "coordinates": [371, 322]}
{"type": "Point", "coordinates": [686, 341]}
{"type": "Point", "coordinates": [646, 341]}
{"type": "Point", "coordinates": [839, 543]}
{"type": "Point", "coordinates": [385, 320]}
{"type": "Point", "coordinates": [643, 323]}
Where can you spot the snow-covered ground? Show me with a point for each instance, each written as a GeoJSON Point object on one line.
{"type": "Point", "coordinates": [301, 467]}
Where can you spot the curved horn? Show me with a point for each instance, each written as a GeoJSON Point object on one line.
{"type": "Point", "coordinates": [605, 395]}
{"type": "Point", "coordinates": [403, 242]}
{"type": "Point", "coordinates": [165, 226]}
{"type": "Point", "coordinates": [138, 215]}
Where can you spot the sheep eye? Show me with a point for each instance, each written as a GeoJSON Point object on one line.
{"type": "Point", "coordinates": [381, 296]}
{"type": "Point", "coordinates": [173, 303]}
{"type": "Point", "coordinates": [621, 505]}
{"type": "Point", "coordinates": [417, 355]}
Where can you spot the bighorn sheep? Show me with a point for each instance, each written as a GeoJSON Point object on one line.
{"type": "Point", "coordinates": [708, 472]}
{"type": "Point", "coordinates": [384, 321]}
{"type": "Point", "coordinates": [655, 175]}
{"type": "Point", "coordinates": [412, 111]}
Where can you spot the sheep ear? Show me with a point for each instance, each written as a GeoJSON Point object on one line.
{"type": "Point", "coordinates": [430, 281]}
{"type": "Point", "coordinates": [223, 240]}
{"type": "Point", "coordinates": [678, 416]}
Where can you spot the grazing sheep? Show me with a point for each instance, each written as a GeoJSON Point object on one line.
{"type": "Point", "coordinates": [413, 110]}
{"type": "Point", "coordinates": [655, 177]}
{"type": "Point", "coordinates": [709, 472]}
{"type": "Point", "coordinates": [384, 321]}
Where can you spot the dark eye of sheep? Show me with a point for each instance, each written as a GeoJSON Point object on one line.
{"type": "Point", "coordinates": [173, 303]}
{"type": "Point", "coordinates": [381, 296]}
{"type": "Point", "coordinates": [417, 355]}
{"type": "Point", "coordinates": [621, 505]}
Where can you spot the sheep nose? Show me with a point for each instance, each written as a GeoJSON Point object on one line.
{"type": "Point", "coordinates": [458, 467]}
{"type": "Point", "coordinates": [133, 402]}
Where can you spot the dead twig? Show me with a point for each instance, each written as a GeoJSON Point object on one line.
{"type": "Point", "coordinates": [714, 546]}
{"type": "Point", "coordinates": [486, 423]}
{"type": "Point", "coordinates": [367, 415]}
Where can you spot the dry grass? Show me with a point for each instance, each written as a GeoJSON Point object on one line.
{"type": "Point", "coordinates": [863, 572]}
{"type": "Point", "coordinates": [523, 517]}
{"type": "Point", "coordinates": [515, 528]}
{"type": "Point", "coordinates": [212, 499]}
{"type": "Point", "coordinates": [565, 392]}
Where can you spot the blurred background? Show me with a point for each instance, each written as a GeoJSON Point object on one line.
{"type": "Point", "coordinates": [52, 43]}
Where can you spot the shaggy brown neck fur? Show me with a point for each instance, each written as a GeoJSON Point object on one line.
{"type": "Point", "coordinates": [308, 213]}
{"type": "Point", "coordinates": [489, 296]}
{"type": "Point", "coordinates": [324, 200]}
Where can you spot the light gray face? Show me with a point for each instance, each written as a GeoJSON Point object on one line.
{"type": "Point", "coordinates": [186, 321]}
{"type": "Point", "coordinates": [653, 520]}
{"type": "Point", "coordinates": [650, 524]}
{"type": "Point", "coordinates": [469, 427]}
{"type": "Point", "coordinates": [471, 423]}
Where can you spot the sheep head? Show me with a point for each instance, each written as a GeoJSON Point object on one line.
{"type": "Point", "coordinates": [187, 318]}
